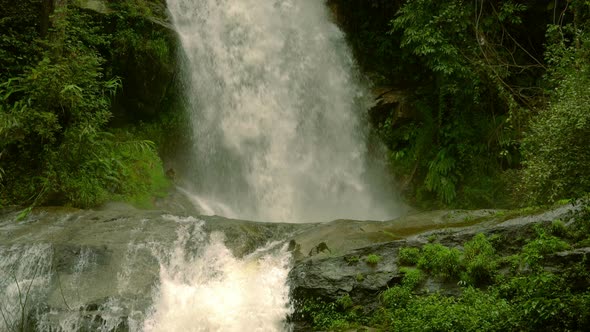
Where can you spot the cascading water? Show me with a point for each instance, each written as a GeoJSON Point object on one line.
{"type": "Point", "coordinates": [214, 291]}
{"type": "Point", "coordinates": [276, 109]}
{"type": "Point", "coordinates": [201, 285]}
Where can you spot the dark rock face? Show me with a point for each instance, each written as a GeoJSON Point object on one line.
{"type": "Point", "coordinates": [390, 103]}
{"type": "Point", "coordinates": [333, 277]}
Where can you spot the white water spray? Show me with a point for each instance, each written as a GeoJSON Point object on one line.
{"type": "Point", "coordinates": [276, 108]}
{"type": "Point", "coordinates": [211, 290]}
{"type": "Point", "coordinates": [24, 275]}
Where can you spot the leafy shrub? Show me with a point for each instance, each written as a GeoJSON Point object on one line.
{"type": "Point", "coordinates": [579, 228]}
{"type": "Point", "coordinates": [345, 302]}
{"type": "Point", "coordinates": [396, 297]}
{"type": "Point", "coordinates": [408, 256]}
{"type": "Point", "coordinates": [479, 259]}
{"type": "Point", "coordinates": [328, 316]}
{"type": "Point", "coordinates": [534, 251]}
{"type": "Point", "coordinates": [440, 260]}
{"type": "Point", "coordinates": [412, 277]}
{"type": "Point", "coordinates": [53, 119]}
{"type": "Point", "coordinates": [373, 259]}
{"type": "Point", "coordinates": [542, 301]}
{"type": "Point", "coordinates": [557, 158]}
{"type": "Point", "coordinates": [473, 311]}
{"type": "Point", "coordinates": [351, 260]}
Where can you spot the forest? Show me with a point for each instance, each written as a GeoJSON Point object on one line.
{"type": "Point", "coordinates": [490, 109]}
{"type": "Point", "coordinates": [494, 102]}
{"type": "Point", "coordinates": [477, 105]}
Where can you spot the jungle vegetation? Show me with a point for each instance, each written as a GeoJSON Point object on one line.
{"type": "Point", "coordinates": [495, 109]}
{"type": "Point", "coordinates": [60, 139]}
{"type": "Point", "coordinates": [495, 96]}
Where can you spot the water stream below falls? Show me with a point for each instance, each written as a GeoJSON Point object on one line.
{"type": "Point", "coordinates": [277, 112]}
{"type": "Point", "coordinates": [162, 273]}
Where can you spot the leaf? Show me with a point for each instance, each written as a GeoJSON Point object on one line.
{"type": "Point", "coordinates": [24, 213]}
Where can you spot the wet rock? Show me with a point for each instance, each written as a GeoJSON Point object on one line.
{"type": "Point", "coordinates": [567, 258]}
{"type": "Point", "coordinates": [330, 275]}
{"type": "Point", "coordinates": [390, 103]}
{"type": "Point", "coordinates": [96, 249]}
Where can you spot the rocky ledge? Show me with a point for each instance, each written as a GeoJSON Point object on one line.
{"type": "Point", "coordinates": [343, 257]}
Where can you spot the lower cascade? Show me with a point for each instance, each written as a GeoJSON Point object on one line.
{"type": "Point", "coordinates": [214, 291]}
{"type": "Point", "coordinates": [201, 285]}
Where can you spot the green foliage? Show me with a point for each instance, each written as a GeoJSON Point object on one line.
{"type": "Point", "coordinates": [544, 302]}
{"type": "Point", "coordinates": [396, 297]}
{"type": "Point", "coordinates": [467, 74]}
{"type": "Point", "coordinates": [440, 260]}
{"type": "Point", "coordinates": [528, 299]}
{"type": "Point", "coordinates": [534, 251]}
{"type": "Point", "coordinates": [53, 119]}
{"type": "Point", "coordinates": [476, 78]}
{"type": "Point", "coordinates": [408, 256]}
{"type": "Point", "coordinates": [19, 42]}
{"type": "Point", "coordinates": [345, 302]}
{"type": "Point", "coordinates": [412, 277]}
{"type": "Point", "coordinates": [473, 311]}
{"type": "Point", "coordinates": [352, 260]}
{"type": "Point", "coordinates": [330, 316]}
{"type": "Point", "coordinates": [479, 260]}
{"type": "Point", "coordinates": [558, 228]}
{"type": "Point", "coordinates": [441, 178]}
{"type": "Point", "coordinates": [140, 46]}
{"type": "Point", "coordinates": [373, 259]}
{"type": "Point", "coordinates": [557, 159]}
{"type": "Point", "coordinates": [579, 229]}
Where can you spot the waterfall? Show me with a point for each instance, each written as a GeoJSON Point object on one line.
{"type": "Point", "coordinates": [276, 108]}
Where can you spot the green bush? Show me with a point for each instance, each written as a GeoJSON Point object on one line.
{"type": "Point", "coordinates": [396, 297]}
{"type": "Point", "coordinates": [408, 256]}
{"type": "Point", "coordinates": [534, 251]}
{"type": "Point", "coordinates": [440, 260]}
{"type": "Point", "coordinates": [330, 316]}
{"type": "Point", "coordinates": [473, 311]}
{"type": "Point", "coordinates": [412, 277]}
{"type": "Point", "coordinates": [580, 227]}
{"type": "Point", "coordinates": [557, 158]}
{"type": "Point", "coordinates": [373, 259]}
{"type": "Point", "coordinates": [345, 302]}
{"type": "Point", "coordinates": [479, 260]}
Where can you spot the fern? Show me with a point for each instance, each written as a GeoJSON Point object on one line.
{"type": "Point", "coordinates": [441, 178]}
